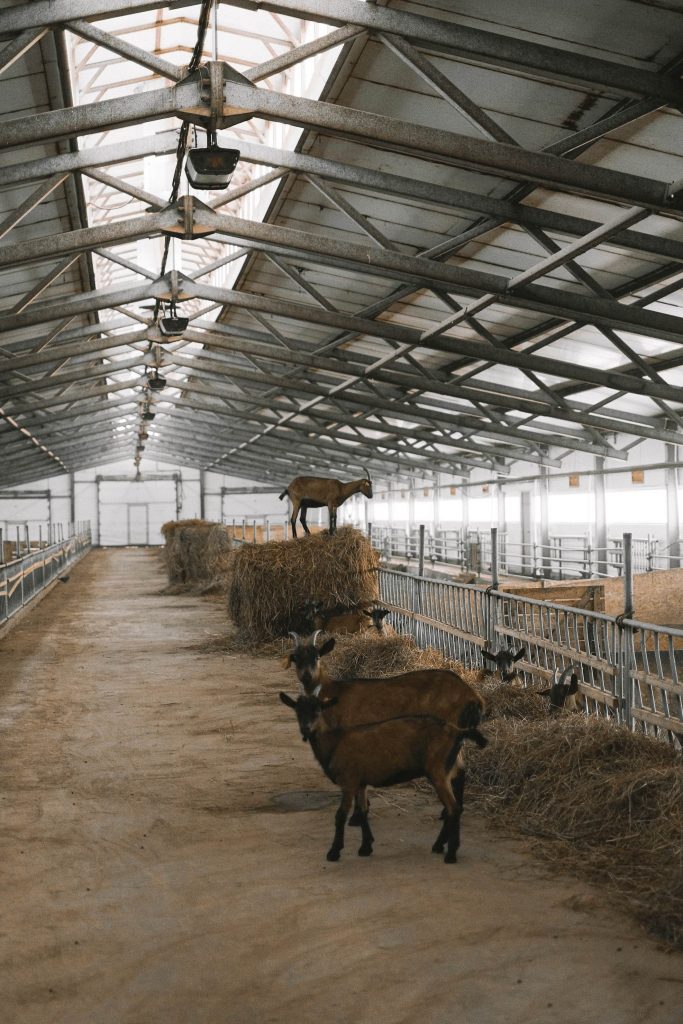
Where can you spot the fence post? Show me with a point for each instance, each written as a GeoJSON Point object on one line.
{"type": "Point", "coordinates": [626, 637]}
{"type": "Point", "coordinates": [417, 599]}
{"type": "Point", "coordinates": [491, 601]}
{"type": "Point", "coordinates": [2, 548]}
{"type": "Point", "coordinates": [370, 533]}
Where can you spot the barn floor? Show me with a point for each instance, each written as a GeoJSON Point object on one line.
{"type": "Point", "coordinates": [153, 869]}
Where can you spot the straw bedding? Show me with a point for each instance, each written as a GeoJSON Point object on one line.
{"type": "Point", "coordinates": [271, 582]}
{"type": "Point", "coordinates": [597, 800]}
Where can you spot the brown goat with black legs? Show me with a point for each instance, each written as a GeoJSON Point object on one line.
{"type": "Point", "coordinates": [384, 754]}
{"type": "Point", "coordinates": [306, 492]}
{"type": "Point", "coordinates": [436, 692]}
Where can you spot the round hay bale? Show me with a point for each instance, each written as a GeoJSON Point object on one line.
{"type": "Point", "coordinates": [272, 582]}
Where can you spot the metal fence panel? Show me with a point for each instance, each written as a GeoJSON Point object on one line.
{"type": "Point", "coordinates": [24, 578]}
{"type": "Point", "coordinates": [629, 672]}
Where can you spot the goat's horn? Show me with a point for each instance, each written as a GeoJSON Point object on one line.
{"type": "Point", "coordinates": [565, 673]}
{"type": "Point", "coordinates": [365, 470]}
{"type": "Point", "coordinates": [296, 637]}
{"type": "Point", "coordinates": [315, 636]}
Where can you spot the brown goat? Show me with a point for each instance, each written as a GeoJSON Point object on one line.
{"type": "Point", "coordinates": [346, 620]}
{"type": "Point", "coordinates": [564, 696]}
{"type": "Point", "coordinates": [505, 661]}
{"type": "Point", "coordinates": [436, 692]}
{"type": "Point", "coordinates": [384, 754]}
{"type": "Point", "coordinates": [306, 492]}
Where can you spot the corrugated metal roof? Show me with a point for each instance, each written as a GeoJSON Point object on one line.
{"type": "Point", "coordinates": [468, 250]}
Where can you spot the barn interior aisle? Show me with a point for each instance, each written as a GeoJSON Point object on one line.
{"type": "Point", "coordinates": [156, 865]}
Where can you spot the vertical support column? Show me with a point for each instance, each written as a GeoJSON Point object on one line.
{"type": "Point", "coordinates": [525, 525]}
{"type": "Point", "coordinates": [72, 501]}
{"type": "Point", "coordinates": [178, 484]}
{"type": "Point", "coordinates": [543, 490]}
{"type": "Point", "coordinates": [502, 525]}
{"type": "Point", "coordinates": [411, 517]}
{"type": "Point", "coordinates": [600, 516]}
{"type": "Point", "coordinates": [202, 494]}
{"type": "Point", "coordinates": [417, 583]}
{"type": "Point", "coordinates": [626, 652]}
{"type": "Point", "coordinates": [98, 518]}
{"type": "Point", "coordinates": [490, 599]}
{"type": "Point", "coordinates": [465, 528]}
{"type": "Point", "coordinates": [673, 539]}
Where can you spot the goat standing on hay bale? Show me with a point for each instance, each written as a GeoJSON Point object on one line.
{"type": "Point", "coordinates": [383, 754]}
{"type": "Point", "coordinates": [306, 492]}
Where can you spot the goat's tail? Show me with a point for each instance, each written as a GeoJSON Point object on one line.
{"type": "Point", "coordinates": [471, 715]}
{"type": "Point", "coordinates": [466, 734]}
{"type": "Point", "coordinates": [283, 494]}
{"type": "Point", "coordinates": [468, 722]}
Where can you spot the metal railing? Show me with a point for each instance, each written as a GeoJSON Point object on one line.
{"type": "Point", "coordinates": [564, 557]}
{"type": "Point", "coordinates": [629, 671]}
{"type": "Point", "coordinates": [21, 579]}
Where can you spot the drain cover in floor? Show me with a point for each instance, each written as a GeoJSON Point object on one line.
{"type": "Point", "coordinates": [304, 800]}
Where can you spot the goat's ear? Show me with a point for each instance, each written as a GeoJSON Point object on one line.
{"type": "Point", "coordinates": [381, 612]}
{"type": "Point", "coordinates": [327, 646]}
{"type": "Point", "coordinates": [286, 699]}
{"type": "Point", "coordinates": [287, 660]}
{"type": "Point", "coordinates": [487, 654]}
{"type": "Point", "coordinates": [520, 654]}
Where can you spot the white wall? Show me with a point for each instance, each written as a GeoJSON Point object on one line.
{"type": "Point", "coordinates": [132, 510]}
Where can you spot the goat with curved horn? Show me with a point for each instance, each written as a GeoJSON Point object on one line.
{"type": "Point", "coordinates": [306, 492]}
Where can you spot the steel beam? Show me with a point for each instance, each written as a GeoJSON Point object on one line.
{"type": "Point", "coordinates": [505, 51]}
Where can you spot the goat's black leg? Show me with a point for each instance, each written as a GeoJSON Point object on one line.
{"type": "Point", "coordinates": [365, 848]}
{"type": "Point", "coordinates": [361, 801]}
{"type": "Point", "coordinates": [333, 519]}
{"type": "Point", "coordinates": [450, 830]}
{"type": "Point", "coordinates": [453, 823]}
{"type": "Point", "coordinates": [302, 518]}
{"type": "Point", "coordinates": [339, 823]}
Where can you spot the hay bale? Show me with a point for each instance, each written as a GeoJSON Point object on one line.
{"type": "Point", "coordinates": [196, 552]}
{"type": "Point", "coordinates": [270, 582]}
{"type": "Point", "coordinates": [598, 800]}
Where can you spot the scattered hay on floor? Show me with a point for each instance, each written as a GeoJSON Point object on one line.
{"type": "Point", "coordinates": [601, 801]}
{"type": "Point", "coordinates": [271, 582]}
{"type": "Point", "coordinates": [233, 641]}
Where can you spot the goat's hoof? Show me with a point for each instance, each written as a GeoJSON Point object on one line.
{"type": "Point", "coordinates": [450, 858]}
{"type": "Point", "coordinates": [437, 848]}
{"type": "Point", "coordinates": [333, 854]}
{"type": "Point", "coordinates": [365, 851]}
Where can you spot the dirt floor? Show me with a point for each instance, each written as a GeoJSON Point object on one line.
{"type": "Point", "coordinates": [156, 865]}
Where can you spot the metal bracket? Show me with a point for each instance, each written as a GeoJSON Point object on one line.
{"type": "Point", "coordinates": [214, 112]}
{"type": "Point", "coordinates": [186, 225]}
